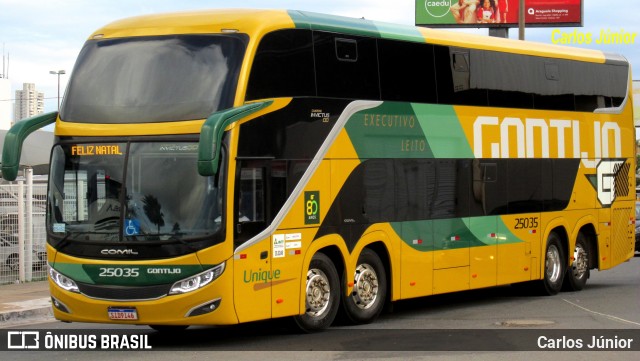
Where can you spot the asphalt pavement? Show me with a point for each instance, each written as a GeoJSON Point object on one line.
{"type": "Point", "coordinates": [25, 303]}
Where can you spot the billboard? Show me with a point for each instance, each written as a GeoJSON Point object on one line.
{"type": "Point", "coordinates": [497, 13]}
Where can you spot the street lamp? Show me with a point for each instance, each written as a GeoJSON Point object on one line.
{"type": "Point", "coordinates": [58, 73]}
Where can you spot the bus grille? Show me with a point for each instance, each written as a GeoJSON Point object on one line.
{"type": "Point", "coordinates": [123, 292]}
{"type": "Point", "coordinates": [622, 235]}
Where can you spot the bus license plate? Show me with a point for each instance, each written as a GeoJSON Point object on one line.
{"type": "Point", "coordinates": [123, 313]}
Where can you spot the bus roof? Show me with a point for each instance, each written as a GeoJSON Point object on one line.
{"type": "Point", "coordinates": [256, 23]}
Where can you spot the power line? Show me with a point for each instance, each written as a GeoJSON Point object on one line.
{"type": "Point", "coordinates": [14, 99]}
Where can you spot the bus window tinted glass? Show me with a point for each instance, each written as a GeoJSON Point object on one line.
{"type": "Point", "coordinates": [455, 71]}
{"type": "Point", "coordinates": [341, 78]}
{"type": "Point", "coordinates": [283, 66]}
{"type": "Point", "coordinates": [153, 79]}
{"type": "Point", "coordinates": [407, 71]}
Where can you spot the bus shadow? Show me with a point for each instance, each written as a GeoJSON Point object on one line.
{"type": "Point", "coordinates": [472, 298]}
{"type": "Point", "coordinates": [282, 334]}
{"type": "Point", "coordinates": [272, 335]}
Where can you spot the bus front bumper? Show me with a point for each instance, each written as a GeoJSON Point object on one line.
{"type": "Point", "coordinates": [209, 305]}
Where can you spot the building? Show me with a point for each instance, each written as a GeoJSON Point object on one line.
{"type": "Point", "coordinates": [29, 102]}
{"type": "Point", "coordinates": [6, 102]}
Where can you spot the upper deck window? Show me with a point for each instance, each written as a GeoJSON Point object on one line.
{"type": "Point", "coordinates": [153, 79]}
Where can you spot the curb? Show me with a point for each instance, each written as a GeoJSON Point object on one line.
{"type": "Point", "coordinates": [38, 310]}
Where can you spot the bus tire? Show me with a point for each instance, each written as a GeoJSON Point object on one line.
{"type": "Point", "coordinates": [576, 277]}
{"type": "Point", "coordinates": [554, 266]}
{"type": "Point", "coordinates": [367, 299]}
{"type": "Point", "coordinates": [322, 295]}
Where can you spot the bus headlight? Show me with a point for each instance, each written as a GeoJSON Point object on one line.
{"type": "Point", "coordinates": [198, 281]}
{"type": "Point", "coordinates": [63, 281]}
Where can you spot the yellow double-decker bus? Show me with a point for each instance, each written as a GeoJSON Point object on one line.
{"type": "Point", "coordinates": [220, 167]}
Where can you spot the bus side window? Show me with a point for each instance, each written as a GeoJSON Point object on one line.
{"type": "Point", "coordinates": [346, 66]}
{"type": "Point", "coordinates": [251, 198]}
{"type": "Point", "coordinates": [283, 66]}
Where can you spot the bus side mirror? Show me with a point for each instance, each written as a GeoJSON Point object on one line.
{"type": "Point", "coordinates": [211, 135]}
{"type": "Point", "coordinates": [14, 139]}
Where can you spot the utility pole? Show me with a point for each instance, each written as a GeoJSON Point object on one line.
{"type": "Point", "coordinates": [58, 73]}
{"type": "Point", "coordinates": [521, 20]}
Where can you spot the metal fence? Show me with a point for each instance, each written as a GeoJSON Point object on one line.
{"type": "Point", "coordinates": [22, 233]}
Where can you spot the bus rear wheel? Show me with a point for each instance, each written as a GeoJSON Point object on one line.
{"type": "Point", "coordinates": [322, 295]}
{"type": "Point", "coordinates": [554, 266]}
{"type": "Point", "coordinates": [577, 275]}
{"type": "Point", "coordinates": [366, 301]}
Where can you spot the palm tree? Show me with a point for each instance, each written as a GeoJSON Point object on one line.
{"type": "Point", "coordinates": [153, 210]}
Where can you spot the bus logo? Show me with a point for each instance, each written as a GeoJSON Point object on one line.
{"type": "Point", "coordinates": [612, 180]}
{"type": "Point", "coordinates": [312, 207]}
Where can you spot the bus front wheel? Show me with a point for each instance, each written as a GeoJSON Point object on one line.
{"type": "Point", "coordinates": [367, 299]}
{"type": "Point", "coordinates": [554, 265]}
{"type": "Point", "coordinates": [322, 295]}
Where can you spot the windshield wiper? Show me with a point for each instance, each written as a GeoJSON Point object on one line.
{"type": "Point", "coordinates": [64, 241]}
{"type": "Point", "coordinates": [175, 238]}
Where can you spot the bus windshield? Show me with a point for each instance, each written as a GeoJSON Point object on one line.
{"type": "Point", "coordinates": [153, 79]}
{"type": "Point", "coordinates": [131, 192]}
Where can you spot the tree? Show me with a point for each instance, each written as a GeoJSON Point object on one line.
{"type": "Point", "coordinates": [153, 210]}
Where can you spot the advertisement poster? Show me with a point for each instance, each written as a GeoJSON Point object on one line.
{"type": "Point", "coordinates": [494, 13]}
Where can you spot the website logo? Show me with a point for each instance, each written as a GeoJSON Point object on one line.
{"type": "Point", "coordinates": [23, 340]}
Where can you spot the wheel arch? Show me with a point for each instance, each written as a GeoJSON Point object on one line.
{"type": "Point", "coordinates": [379, 242]}
{"type": "Point", "coordinates": [334, 254]}
{"type": "Point", "coordinates": [589, 230]}
{"type": "Point", "coordinates": [383, 253]}
{"type": "Point", "coordinates": [560, 228]}
{"type": "Point", "coordinates": [331, 246]}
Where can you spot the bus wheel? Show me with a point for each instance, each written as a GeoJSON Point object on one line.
{"type": "Point", "coordinates": [322, 295]}
{"type": "Point", "coordinates": [577, 275]}
{"type": "Point", "coordinates": [369, 289]}
{"type": "Point", "coordinates": [554, 268]}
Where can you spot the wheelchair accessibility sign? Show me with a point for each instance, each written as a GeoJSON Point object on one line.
{"type": "Point", "coordinates": [131, 227]}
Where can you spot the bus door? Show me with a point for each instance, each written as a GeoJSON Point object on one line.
{"type": "Point", "coordinates": [252, 266]}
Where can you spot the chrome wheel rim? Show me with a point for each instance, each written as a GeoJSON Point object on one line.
{"type": "Point", "coordinates": [580, 262]}
{"type": "Point", "coordinates": [552, 264]}
{"type": "Point", "coordinates": [365, 288]}
{"type": "Point", "coordinates": [318, 293]}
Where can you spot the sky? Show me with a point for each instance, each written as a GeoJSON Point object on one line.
{"type": "Point", "coordinates": [40, 36]}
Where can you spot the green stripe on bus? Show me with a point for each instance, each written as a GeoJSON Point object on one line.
{"type": "Point", "coordinates": [390, 130]}
{"type": "Point", "coordinates": [353, 26]}
{"type": "Point", "coordinates": [454, 233]}
{"type": "Point", "coordinates": [443, 131]}
{"type": "Point", "coordinates": [399, 32]}
{"type": "Point", "coordinates": [404, 130]}
{"type": "Point", "coordinates": [324, 22]}
{"type": "Point", "coordinates": [127, 275]}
